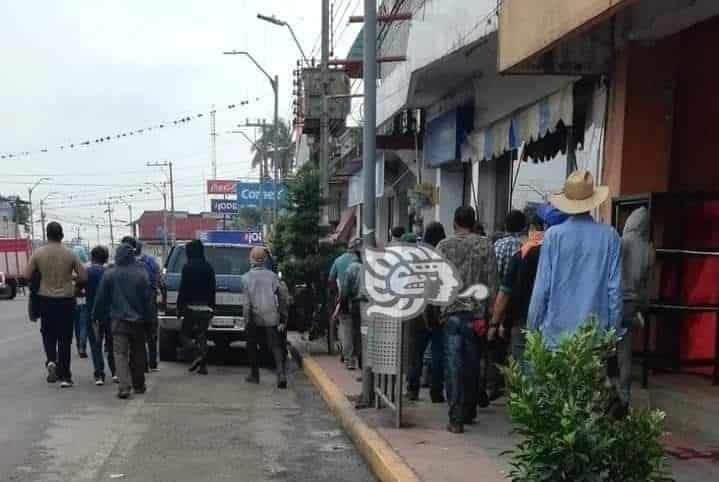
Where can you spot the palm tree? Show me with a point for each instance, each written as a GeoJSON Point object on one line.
{"type": "Point", "coordinates": [266, 144]}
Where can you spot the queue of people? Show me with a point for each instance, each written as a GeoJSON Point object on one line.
{"type": "Point", "coordinates": [550, 271]}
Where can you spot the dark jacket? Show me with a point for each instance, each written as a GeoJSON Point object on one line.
{"type": "Point", "coordinates": [124, 292]}
{"type": "Point", "coordinates": [197, 285]}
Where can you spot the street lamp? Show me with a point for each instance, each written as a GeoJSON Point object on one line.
{"type": "Point", "coordinates": [163, 191]}
{"type": "Point", "coordinates": [274, 82]}
{"type": "Point", "coordinates": [42, 209]}
{"type": "Point", "coordinates": [122, 199]}
{"type": "Point", "coordinates": [29, 198]}
{"type": "Point", "coordinates": [276, 21]}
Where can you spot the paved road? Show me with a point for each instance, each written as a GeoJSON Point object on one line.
{"type": "Point", "coordinates": [185, 428]}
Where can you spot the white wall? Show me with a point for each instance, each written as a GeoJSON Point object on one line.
{"type": "Point", "coordinates": [438, 28]}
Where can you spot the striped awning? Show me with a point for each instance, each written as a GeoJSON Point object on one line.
{"type": "Point", "coordinates": [527, 124]}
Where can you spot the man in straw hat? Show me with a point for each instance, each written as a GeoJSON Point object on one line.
{"type": "Point", "coordinates": [580, 266]}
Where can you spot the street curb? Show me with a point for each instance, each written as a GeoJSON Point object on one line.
{"type": "Point", "coordinates": [385, 462]}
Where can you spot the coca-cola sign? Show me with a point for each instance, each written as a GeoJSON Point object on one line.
{"type": "Point", "coordinates": [215, 186]}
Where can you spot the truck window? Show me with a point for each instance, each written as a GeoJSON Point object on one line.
{"type": "Point", "coordinates": [224, 260]}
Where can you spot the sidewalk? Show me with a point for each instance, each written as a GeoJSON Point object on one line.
{"type": "Point", "coordinates": [424, 447]}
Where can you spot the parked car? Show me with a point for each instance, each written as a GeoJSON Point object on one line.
{"type": "Point", "coordinates": [230, 262]}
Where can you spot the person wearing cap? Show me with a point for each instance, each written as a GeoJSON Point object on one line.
{"type": "Point", "coordinates": [515, 290]}
{"type": "Point", "coordinates": [264, 310]}
{"type": "Point", "coordinates": [344, 310]}
{"type": "Point", "coordinates": [580, 266]}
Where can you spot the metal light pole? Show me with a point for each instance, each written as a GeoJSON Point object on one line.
{"type": "Point", "coordinates": [29, 198]}
{"type": "Point", "coordinates": [168, 164]}
{"type": "Point", "coordinates": [276, 21]}
{"type": "Point", "coordinates": [42, 212]}
{"type": "Point", "coordinates": [129, 207]}
{"type": "Point", "coordinates": [274, 82]}
{"type": "Point", "coordinates": [163, 191]}
{"type": "Point", "coordinates": [369, 154]}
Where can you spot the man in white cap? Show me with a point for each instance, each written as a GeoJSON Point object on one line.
{"type": "Point", "coordinates": [580, 266]}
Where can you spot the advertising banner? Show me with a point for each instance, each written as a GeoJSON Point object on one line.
{"type": "Point", "coordinates": [224, 206]}
{"type": "Point", "coordinates": [248, 194]}
{"type": "Point", "coordinates": [231, 237]}
{"type": "Point", "coordinates": [215, 186]}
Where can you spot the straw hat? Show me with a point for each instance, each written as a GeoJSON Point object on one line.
{"type": "Point", "coordinates": [579, 195]}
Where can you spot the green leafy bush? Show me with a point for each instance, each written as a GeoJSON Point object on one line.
{"type": "Point", "coordinates": [560, 406]}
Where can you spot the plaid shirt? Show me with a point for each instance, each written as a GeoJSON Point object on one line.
{"type": "Point", "coordinates": [473, 257]}
{"type": "Point", "coordinates": [504, 249]}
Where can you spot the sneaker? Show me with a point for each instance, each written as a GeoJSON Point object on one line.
{"type": "Point", "coordinates": [437, 398]}
{"type": "Point", "coordinates": [202, 370]}
{"type": "Point", "coordinates": [195, 364]}
{"type": "Point", "coordinates": [455, 428]}
{"type": "Point", "coordinates": [413, 395]}
{"type": "Point", "coordinates": [123, 394]}
{"type": "Point", "coordinates": [51, 372]}
{"type": "Point", "coordinates": [66, 384]}
{"type": "Point", "coordinates": [282, 382]}
{"type": "Point", "coordinates": [99, 381]}
{"type": "Point", "coordinates": [252, 379]}
{"type": "Point", "coordinates": [154, 369]}
{"type": "Point", "coordinates": [83, 354]}
{"type": "Point", "coordinates": [115, 379]}
{"type": "Point", "coordinates": [140, 390]}
{"type": "Point", "coordinates": [483, 399]}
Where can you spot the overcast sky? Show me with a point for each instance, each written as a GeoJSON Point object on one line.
{"type": "Point", "coordinates": [77, 70]}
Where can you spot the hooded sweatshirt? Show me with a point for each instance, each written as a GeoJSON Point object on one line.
{"type": "Point", "coordinates": [638, 256]}
{"type": "Point", "coordinates": [197, 285]}
{"type": "Point", "coordinates": [124, 292]}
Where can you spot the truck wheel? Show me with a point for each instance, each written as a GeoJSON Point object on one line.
{"type": "Point", "coordinates": [168, 345]}
{"type": "Point", "coordinates": [13, 289]}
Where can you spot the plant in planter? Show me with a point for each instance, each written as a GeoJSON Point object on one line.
{"type": "Point", "coordinates": [560, 406]}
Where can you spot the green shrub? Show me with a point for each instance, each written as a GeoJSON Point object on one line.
{"type": "Point", "coordinates": [560, 408]}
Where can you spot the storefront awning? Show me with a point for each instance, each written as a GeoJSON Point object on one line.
{"type": "Point", "coordinates": [527, 124]}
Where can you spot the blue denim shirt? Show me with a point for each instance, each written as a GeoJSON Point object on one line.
{"type": "Point", "coordinates": [579, 276]}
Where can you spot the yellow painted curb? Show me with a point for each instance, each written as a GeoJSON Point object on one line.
{"type": "Point", "coordinates": [385, 462]}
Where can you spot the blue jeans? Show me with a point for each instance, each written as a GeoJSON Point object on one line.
{"type": "Point", "coordinates": [95, 335]}
{"type": "Point", "coordinates": [81, 317]}
{"type": "Point", "coordinates": [435, 338]}
{"type": "Point", "coordinates": [462, 367]}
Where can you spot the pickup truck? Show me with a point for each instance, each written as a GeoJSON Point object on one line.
{"type": "Point", "coordinates": [230, 262]}
{"type": "Point", "coordinates": [14, 255]}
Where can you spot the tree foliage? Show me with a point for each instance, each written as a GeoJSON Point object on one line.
{"type": "Point", "coordinates": [295, 240]}
{"type": "Point", "coordinates": [560, 405]}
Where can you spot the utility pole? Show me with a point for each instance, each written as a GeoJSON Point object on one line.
{"type": "Point", "coordinates": [42, 219]}
{"type": "Point", "coordinates": [168, 164]}
{"type": "Point", "coordinates": [213, 143]}
{"type": "Point", "coordinates": [275, 156]}
{"type": "Point", "coordinates": [97, 226]}
{"type": "Point", "coordinates": [324, 116]}
{"type": "Point", "coordinates": [108, 211]}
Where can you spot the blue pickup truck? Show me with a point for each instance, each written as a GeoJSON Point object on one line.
{"type": "Point", "coordinates": [230, 262]}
